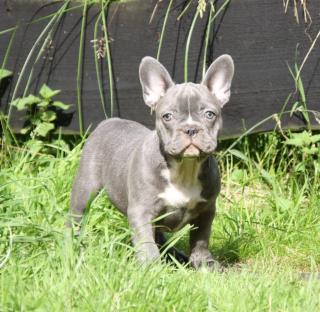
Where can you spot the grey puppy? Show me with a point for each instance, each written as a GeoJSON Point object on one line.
{"type": "Point", "coordinates": [169, 170]}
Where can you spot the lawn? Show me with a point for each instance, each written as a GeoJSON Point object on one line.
{"type": "Point", "coordinates": [267, 233]}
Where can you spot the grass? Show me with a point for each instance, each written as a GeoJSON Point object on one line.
{"type": "Point", "coordinates": [267, 232]}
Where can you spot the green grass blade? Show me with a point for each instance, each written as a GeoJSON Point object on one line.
{"type": "Point", "coordinates": [108, 54]}
{"type": "Point", "coordinates": [186, 53]}
{"type": "Point", "coordinates": [43, 18]}
{"type": "Point", "coordinates": [207, 37]}
{"type": "Point", "coordinates": [163, 29]}
{"type": "Point", "coordinates": [46, 41]}
{"type": "Point", "coordinates": [26, 63]}
{"type": "Point", "coordinates": [80, 67]}
{"type": "Point", "coordinates": [8, 50]}
{"type": "Point", "coordinates": [98, 73]}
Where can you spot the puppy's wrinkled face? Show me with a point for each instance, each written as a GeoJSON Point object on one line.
{"type": "Point", "coordinates": [188, 116]}
{"type": "Point", "coordinates": [188, 119]}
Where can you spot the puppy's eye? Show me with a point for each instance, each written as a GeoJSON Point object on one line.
{"type": "Point", "coordinates": [167, 117]}
{"type": "Point", "coordinates": [210, 114]}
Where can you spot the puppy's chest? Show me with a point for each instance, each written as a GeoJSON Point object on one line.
{"type": "Point", "coordinates": [181, 198]}
{"type": "Point", "coordinates": [177, 195]}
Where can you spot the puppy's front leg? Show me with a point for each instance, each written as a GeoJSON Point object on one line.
{"type": "Point", "coordinates": [199, 241]}
{"type": "Point", "coordinates": [143, 234]}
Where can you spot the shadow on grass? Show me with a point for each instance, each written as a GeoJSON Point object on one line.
{"type": "Point", "coordinates": [228, 253]}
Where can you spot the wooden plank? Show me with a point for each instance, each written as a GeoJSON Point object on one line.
{"type": "Point", "coordinates": [260, 37]}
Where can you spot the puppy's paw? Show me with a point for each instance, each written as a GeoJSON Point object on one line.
{"type": "Point", "coordinates": [203, 258]}
{"type": "Point", "coordinates": [147, 253]}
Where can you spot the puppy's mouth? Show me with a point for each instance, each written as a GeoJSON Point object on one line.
{"type": "Point", "coordinates": [192, 151]}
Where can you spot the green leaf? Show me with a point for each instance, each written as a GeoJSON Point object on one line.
{"type": "Point", "coordinates": [294, 108]}
{"type": "Point", "coordinates": [238, 154]}
{"type": "Point", "coordinates": [35, 119]}
{"type": "Point", "coordinates": [25, 130]}
{"type": "Point", "coordinates": [301, 90]}
{"type": "Point", "coordinates": [283, 204]}
{"type": "Point", "coordinates": [300, 167]}
{"type": "Point", "coordinates": [299, 139]}
{"type": "Point", "coordinates": [300, 85]}
{"type": "Point", "coordinates": [43, 129]}
{"type": "Point", "coordinates": [34, 146]}
{"type": "Point", "coordinates": [44, 103]}
{"type": "Point", "coordinates": [239, 176]}
{"type": "Point", "coordinates": [25, 102]}
{"type": "Point", "coordinates": [311, 150]}
{"type": "Point", "coordinates": [48, 116]}
{"type": "Point", "coordinates": [47, 92]}
{"type": "Point", "coordinates": [61, 105]}
{"type": "Point", "coordinates": [61, 144]}
{"type": "Point", "coordinates": [4, 73]}
{"type": "Point", "coordinates": [315, 138]}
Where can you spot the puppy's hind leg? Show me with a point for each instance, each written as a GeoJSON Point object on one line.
{"type": "Point", "coordinates": [84, 191]}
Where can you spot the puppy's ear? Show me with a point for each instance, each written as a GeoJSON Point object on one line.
{"type": "Point", "coordinates": [218, 78]}
{"type": "Point", "coordinates": [154, 79]}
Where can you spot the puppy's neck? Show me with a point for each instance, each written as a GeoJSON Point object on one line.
{"type": "Point", "coordinates": [185, 171]}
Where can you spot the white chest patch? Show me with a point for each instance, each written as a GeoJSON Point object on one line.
{"type": "Point", "coordinates": [183, 188]}
{"type": "Point", "coordinates": [179, 196]}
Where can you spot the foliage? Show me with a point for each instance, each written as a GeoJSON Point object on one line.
{"type": "Point", "coordinates": [41, 114]}
{"type": "Point", "coordinates": [307, 146]}
{"type": "Point", "coordinates": [4, 73]}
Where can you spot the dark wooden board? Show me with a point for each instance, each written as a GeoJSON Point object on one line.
{"type": "Point", "coordinates": [261, 38]}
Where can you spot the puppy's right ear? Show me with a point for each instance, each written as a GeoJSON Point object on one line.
{"type": "Point", "coordinates": [155, 80]}
{"type": "Point", "coordinates": [218, 78]}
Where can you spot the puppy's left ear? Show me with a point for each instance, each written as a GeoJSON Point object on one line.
{"type": "Point", "coordinates": [218, 78]}
{"type": "Point", "coordinates": [155, 80]}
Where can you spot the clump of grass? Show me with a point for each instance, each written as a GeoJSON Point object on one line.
{"type": "Point", "coordinates": [266, 232]}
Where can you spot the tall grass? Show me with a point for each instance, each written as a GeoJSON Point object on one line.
{"type": "Point", "coordinates": [266, 232]}
{"type": "Point", "coordinates": [31, 54]}
{"type": "Point", "coordinates": [98, 63]}
{"type": "Point", "coordinates": [164, 24]}
{"type": "Point", "coordinates": [108, 54]}
{"type": "Point", "coordinates": [80, 66]}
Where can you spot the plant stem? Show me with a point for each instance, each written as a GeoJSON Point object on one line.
{"type": "Point", "coordinates": [5, 59]}
{"type": "Point", "coordinates": [45, 43]}
{"type": "Point", "coordinates": [79, 67]}
{"type": "Point", "coordinates": [27, 62]}
{"type": "Point", "coordinates": [100, 86]}
{"type": "Point", "coordinates": [110, 72]}
{"type": "Point", "coordinates": [163, 29]}
{"type": "Point", "coordinates": [186, 54]}
{"type": "Point", "coordinates": [208, 28]}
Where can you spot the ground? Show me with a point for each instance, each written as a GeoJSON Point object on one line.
{"type": "Point", "coordinates": [267, 233]}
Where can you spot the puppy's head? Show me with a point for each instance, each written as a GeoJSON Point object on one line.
{"type": "Point", "coordinates": [188, 115]}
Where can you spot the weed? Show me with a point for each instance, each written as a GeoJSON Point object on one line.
{"type": "Point", "coordinates": [4, 73]}
{"type": "Point", "coordinates": [41, 114]}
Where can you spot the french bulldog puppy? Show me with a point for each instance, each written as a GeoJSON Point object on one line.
{"type": "Point", "coordinates": [169, 170]}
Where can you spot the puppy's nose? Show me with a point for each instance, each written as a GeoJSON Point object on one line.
{"type": "Point", "coordinates": [191, 131]}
